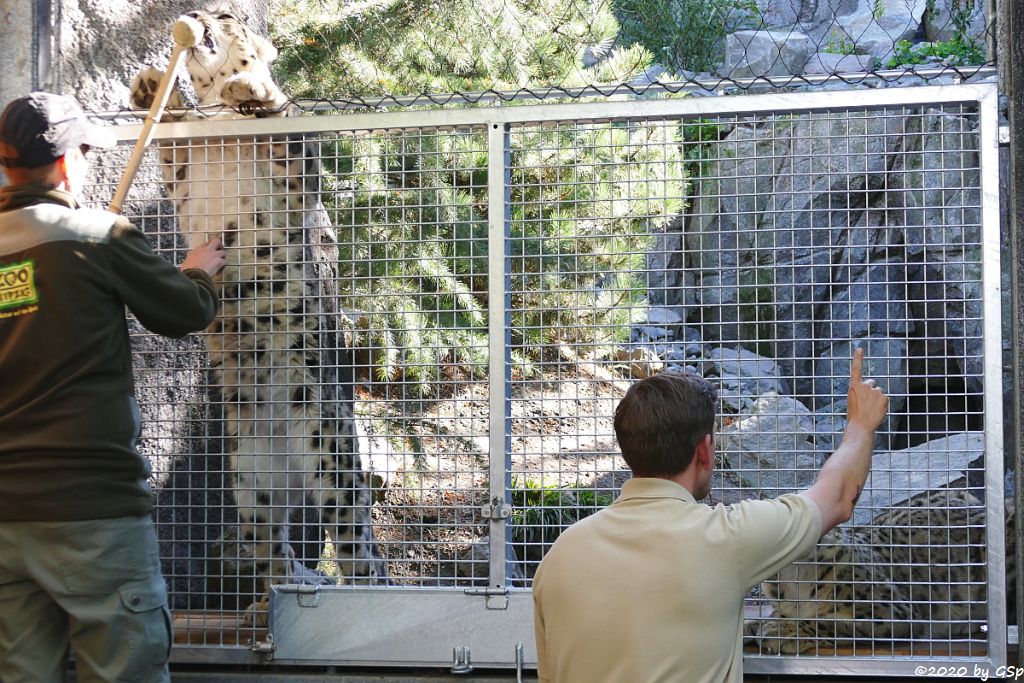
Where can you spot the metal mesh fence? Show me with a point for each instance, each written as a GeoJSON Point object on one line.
{"type": "Point", "coordinates": [447, 327]}
{"type": "Point", "coordinates": [801, 243]}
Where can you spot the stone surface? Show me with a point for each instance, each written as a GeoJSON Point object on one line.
{"type": "Point", "coordinates": [779, 14]}
{"type": "Point", "coordinates": [830, 63]}
{"type": "Point", "coordinates": [770, 450]}
{"type": "Point", "coordinates": [939, 23]}
{"type": "Point", "coordinates": [753, 54]}
{"type": "Point", "coordinates": [17, 68]}
{"type": "Point", "coordinates": [660, 315]}
{"type": "Point", "coordinates": [885, 361]}
{"type": "Point", "coordinates": [898, 475]}
{"type": "Point", "coordinates": [791, 214]}
{"type": "Point", "coordinates": [872, 26]}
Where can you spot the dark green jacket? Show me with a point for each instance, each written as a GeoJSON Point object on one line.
{"type": "Point", "coordinates": [68, 415]}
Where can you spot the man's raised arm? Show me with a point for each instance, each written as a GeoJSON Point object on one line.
{"type": "Point", "coordinates": [842, 477]}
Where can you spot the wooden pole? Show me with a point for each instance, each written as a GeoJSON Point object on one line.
{"type": "Point", "coordinates": [187, 33]}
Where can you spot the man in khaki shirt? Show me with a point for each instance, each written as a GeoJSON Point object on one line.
{"type": "Point", "coordinates": [651, 589]}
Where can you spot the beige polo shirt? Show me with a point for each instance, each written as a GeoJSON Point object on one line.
{"type": "Point", "coordinates": [651, 588]}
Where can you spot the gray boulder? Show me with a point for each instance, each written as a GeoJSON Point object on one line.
{"type": "Point", "coordinates": [898, 475]}
{"type": "Point", "coordinates": [665, 316]}
{"type": "Point", "coordinates": [743, 376]}
{"type": "Point", "coordinates": [946, 18]}
{"type": "Point", "coordinates": [832, 63]}
{"type": "Point", "coordinates": [885, 361]}
{"type": "Point", "coordinates": [872, 27]}
{"type": "Point", "coordinates": [770, 451]}
{"type": "Point", "coordinates": [755, 54]}
{"type": "Point", "coordinates": [874, 302]}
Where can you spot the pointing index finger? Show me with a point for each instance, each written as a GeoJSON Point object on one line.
{"type": "Point", "coordinates": [857, 366]}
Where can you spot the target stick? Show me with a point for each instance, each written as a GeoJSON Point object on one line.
{"type": "Point", "coordinates": [187, 34]}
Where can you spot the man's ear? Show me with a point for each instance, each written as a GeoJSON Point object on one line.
{"type": "Point", "coordinates": [705, 454]}
{"type": "Point", "coordinates": [62, 165]}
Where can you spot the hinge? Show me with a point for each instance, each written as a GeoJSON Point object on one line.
{"type": "Point", "coordinates": [497, 509]}
{"type": "Point", "coordinates": [1004, 135]}
{"type": "Point", "coordinates": [1012, 635]}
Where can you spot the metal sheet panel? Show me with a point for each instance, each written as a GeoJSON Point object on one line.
{"type": "Point", "coordinates": [420, 627]}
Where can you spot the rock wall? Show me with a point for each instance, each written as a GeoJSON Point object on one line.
{"type": "Point", "coordinates": [809, 235]}
{"type": "Point", "coordinates": [794, 37]}
{"type": "Point", "coordinates": [17, 58]}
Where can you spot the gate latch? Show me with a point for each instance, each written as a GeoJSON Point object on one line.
{"type": "Point", "coordinates": [264, 648]}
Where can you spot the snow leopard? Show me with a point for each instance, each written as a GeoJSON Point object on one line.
{"type": "Point", "coordinates": [916, 571]}
{"type": "Point", "coordinates": [275, 349]}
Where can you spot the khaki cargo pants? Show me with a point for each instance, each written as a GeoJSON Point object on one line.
{"type": "Point", "coordinates": [94, 586]}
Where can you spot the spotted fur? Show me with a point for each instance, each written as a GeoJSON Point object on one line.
{"type": "Point", "coordinates": [917, 571]}
{"type": "Point", "coordinates": [275, 349]}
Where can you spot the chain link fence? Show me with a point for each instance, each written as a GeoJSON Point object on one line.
{"type": "Point", "coordinates": [347, 54]}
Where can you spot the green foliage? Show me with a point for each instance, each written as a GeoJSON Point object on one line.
{"type": "Point", "coordinates": [961, 16]}
{"type": "Point", "coordinates": [413, 249]}
{"type": "Point", "coordinates": [411, 208]}
{"type": "Point", "coordinates": [586, 203]}
{"type": "Point", "coordinates": [683, 34]}
{"type": "Point", "coordinates": [540, 513]}
{"type": "Point", "coordinates": [840, 43]}
{"type": "Point", "coordinates": [416, 46]}
{"type": "Point", "coordinates": [959, 51]}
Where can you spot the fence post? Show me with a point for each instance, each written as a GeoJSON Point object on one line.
{"type": "Point", "coordinates": [1011, 62]}
{"type": "Point", "coordinates": [499, 371]}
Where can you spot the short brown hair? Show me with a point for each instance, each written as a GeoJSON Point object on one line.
{"type": "Point", "coordinates": [660, 421]}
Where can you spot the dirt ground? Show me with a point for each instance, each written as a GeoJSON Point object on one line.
{"type": "Point", "coordinates": [430, 466]}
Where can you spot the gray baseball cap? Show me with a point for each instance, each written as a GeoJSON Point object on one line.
{"type": "Point", "coordinates": [39, 129]}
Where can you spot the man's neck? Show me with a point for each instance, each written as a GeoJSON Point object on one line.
{"type": "Point", "coordinates": [687, 479]}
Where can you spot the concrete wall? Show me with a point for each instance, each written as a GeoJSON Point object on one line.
{"type": "Point", "coordinates": [96, 45]}
{"type": "Point", "coordinates": [16, 60]}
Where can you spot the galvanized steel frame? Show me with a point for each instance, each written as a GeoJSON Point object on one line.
{"type": "Point", "coordinates": [492, 624]}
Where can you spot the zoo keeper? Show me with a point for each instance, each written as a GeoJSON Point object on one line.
{"type": "Point", "coordinates": [78, 553]}
{"type": "Point", "coordinates": [651, 588]}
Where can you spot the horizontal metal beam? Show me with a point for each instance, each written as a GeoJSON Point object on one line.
{"type": "Point", "coordinates": [448, 119]}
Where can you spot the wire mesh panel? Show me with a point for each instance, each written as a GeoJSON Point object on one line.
{"type": "Point", "coordinates": [758, 251]}
{"type": "Point", "coordinates": [332, 424]}
{"type": "Point", "coordinates": [428, 319]}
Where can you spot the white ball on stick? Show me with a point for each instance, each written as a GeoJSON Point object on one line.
{"type": "Point", "coordinates": [188, 31]}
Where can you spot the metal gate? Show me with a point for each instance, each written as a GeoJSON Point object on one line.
{"type": "Point", "coordinates": [493, 279]}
